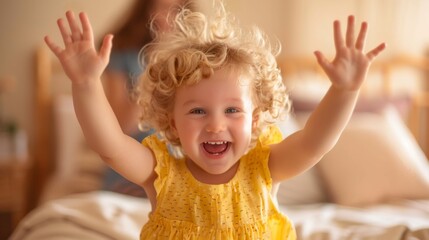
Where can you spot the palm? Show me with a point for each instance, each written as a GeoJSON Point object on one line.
{"type": "Point", "coordinates": [79, 59]}
{"type": "Point", "coordinates": [348, 69]}
{"type": "Point", "coordinates": [350, 65]}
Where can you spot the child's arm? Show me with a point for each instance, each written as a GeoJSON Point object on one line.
{"type": "Point", "coordinates": [84, 66]}
{"type": "Point", "coordinates": [347, 72]}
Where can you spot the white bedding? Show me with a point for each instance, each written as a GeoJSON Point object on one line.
{"type": "Point", "coordinates": [394, 221]}
{"type": "Point", "coordinates": [106, 215]}
{"type": "Point", "coordinates": [94, 215]}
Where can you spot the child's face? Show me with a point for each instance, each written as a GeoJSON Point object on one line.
{"type": "Point", "coordinates": [213, 120]}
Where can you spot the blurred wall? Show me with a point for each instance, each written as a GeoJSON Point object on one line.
{"type": "Point", "coordinates": [306, 25]}
{"type": "Point", "coordinates": [23, 24]}
{"type": "Point", "coordinates": [302, 27]}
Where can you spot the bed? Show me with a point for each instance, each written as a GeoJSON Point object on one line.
{"type": "Point", "coordinates": [373, 185]}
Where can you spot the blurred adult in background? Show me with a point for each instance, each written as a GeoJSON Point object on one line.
{"type": "Point", "coordinates": [124, 67]}
{"type": "Point", "coordinates": [123, 72]}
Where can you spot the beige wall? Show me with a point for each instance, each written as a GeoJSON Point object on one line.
{"type": "Point", "coordinates": [23, 24]}
{"type": "Point", "coordinates": [306, 25]}
{"type": "Point", "coordinates": [302, 26]}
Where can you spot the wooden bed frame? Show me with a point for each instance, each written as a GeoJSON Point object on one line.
{"type": "Point", "coordinates": [43, 140]}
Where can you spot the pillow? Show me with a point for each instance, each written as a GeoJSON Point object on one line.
{"type": "Point", "coordinates": [305, 188]}
{"type": "Point", "coordinates": [375, 160]}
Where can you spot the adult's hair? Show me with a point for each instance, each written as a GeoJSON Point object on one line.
{"type": "Point", "coordinates": [135, 32]}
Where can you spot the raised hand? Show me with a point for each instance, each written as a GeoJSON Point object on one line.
{"type": "Point", "coordinates": [350, 66]}
{"type": "Point", "coordinates": [79, 58]}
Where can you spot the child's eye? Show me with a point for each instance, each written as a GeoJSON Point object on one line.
{"type": "Point", "coordinates": [197, 111]}
{"type": "Point", "coordinates": [231, 110]}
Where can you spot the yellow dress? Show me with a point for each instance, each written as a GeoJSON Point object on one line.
{"type": "Point", "coordinates": [239, 209]}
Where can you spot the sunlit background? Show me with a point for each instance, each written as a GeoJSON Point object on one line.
{"type": "Point", "coordinates": [302, 26]}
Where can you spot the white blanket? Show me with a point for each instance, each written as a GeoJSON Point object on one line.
{"type": "Point", "coordinates": [95, 215]}
{"type": "Point", "coordinates": [401, 220]}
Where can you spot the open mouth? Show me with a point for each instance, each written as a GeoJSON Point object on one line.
{"type": "Point", "coordinates": [216, 148]}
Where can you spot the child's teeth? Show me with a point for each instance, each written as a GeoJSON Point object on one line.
{"type": "Point", "coordinates": [216, 143]}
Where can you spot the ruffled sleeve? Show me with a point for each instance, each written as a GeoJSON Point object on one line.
{"type": "Point", "coordinates": [271, 135]}
{"type": "Point", "coordinates": [259, 155]}
{"type": "Point", "coordinates": [162, 157]}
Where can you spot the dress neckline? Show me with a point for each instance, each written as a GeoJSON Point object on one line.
{"type": "Point", "coordinates": [189, 174]}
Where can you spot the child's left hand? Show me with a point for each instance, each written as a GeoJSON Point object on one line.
{"type": "Point", "coordinates": [349, 68]}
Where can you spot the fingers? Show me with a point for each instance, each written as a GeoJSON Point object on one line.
{"type": "Point", "coordinates": [76, 34]}
{"type": "Point", "coordinates": [374, 52]}
{"type": "Point", "coordinates": [87, 33]}
{"type": "Point", "coordinates": [323, 62]}
{"type": "Point", "coordinates": [64, 32]}
{"type": "Point", "coordinates": [54, 48]}
{"type": "Point", "coordinates": [350, 37]}
{"type": "Point", "coordinates": [338, 36]}
{"type": "Point", "coordinates": [360, 42]}
{"type": "Point", "coordinates": [106, 47]}
{"type": "Point", "coordinates": [73, 32]}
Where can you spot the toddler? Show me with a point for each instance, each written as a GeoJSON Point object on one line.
{"type": "Point", "coordinates": [213, 90]}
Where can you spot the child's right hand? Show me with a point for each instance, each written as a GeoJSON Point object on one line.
{"type": "Point", "coordinates": [84, 66]}
{"type": "Point", "coordinates": [79, 59]}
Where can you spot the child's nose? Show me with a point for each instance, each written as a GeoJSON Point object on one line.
{"type": "Point", "coordinates": [216, 124]}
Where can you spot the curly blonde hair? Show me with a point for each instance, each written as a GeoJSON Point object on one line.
{"type": "Point", "coordinates": [197, 46]}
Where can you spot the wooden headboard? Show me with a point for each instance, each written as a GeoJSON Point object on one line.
{"type": "Point", "coordinates": [386, 67]}
{"type": "Point", "coordinates": [45, 67]}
